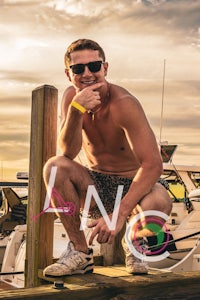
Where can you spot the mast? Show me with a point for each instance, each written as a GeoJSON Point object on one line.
{"type": "Point", "coordinates": [167, 150]}
{"type": "Point", "coordinates": [162, 104]}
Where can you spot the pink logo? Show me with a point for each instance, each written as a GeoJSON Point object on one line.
{"type": "Point", "coordinates": [67, 208]}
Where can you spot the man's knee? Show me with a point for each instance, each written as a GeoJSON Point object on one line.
{"type": "Point", "coordinates": [60, 162]}
{"type": "Point", "coordinates": [48, 167]}
{"type": "Point", "coordinates": [158, 199]}
{"type": "Point", "coordinates": [163, 200]}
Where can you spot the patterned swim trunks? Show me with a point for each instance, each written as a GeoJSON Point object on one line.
{"type": "Point", "coordinates": [106, 186]}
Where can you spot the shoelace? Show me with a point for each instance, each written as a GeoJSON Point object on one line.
{"type": "Point", "coordinates": [72, 258]}
{"type": "Point", "coordinates": [64, 254]}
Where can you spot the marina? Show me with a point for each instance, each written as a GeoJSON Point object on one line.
{"type": "Point", "coordinates": [29, 244]}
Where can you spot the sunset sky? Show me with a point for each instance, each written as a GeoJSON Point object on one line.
{"type": "Point", "coordinates": [137, 37]}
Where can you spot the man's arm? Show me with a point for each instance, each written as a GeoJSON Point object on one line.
{"type": "Point", "coordinates": [128, 114]}
{"type": "Point", "coordinates": [70, 136]}
{"type": "Point", "coordinates": [142, 141]}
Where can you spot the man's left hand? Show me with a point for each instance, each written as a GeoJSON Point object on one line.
{"type": "Point", "coordinates": [103, 233]}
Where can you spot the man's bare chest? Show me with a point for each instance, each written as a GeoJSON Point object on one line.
{"type": "Point", "coordinates": [104, 136]}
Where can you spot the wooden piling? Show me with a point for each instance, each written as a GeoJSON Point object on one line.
{"type": "Point", "coordinates": [39, 249]}
{"type": "Point", "coordinates": [113, 253]}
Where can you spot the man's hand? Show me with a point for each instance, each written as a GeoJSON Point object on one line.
{"type": "Point", "coordinates": [89, 97]}
{"type": "Point", "coordinates": [103, 233]}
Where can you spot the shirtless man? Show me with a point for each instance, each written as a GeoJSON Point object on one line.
{"type": "Point", "coordinates": [121, 149]}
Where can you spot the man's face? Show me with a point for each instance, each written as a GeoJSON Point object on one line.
{"type": "Point", "coordinates": [87, 77]}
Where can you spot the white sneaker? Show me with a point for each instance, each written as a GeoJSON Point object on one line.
{"type": "Point", "coordinates": [134, 265]}
{"type": "Point", "coordinates": [71, 262]}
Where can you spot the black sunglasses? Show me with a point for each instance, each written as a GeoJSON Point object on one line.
{"type": "Point", "coordinates": [93, 66]}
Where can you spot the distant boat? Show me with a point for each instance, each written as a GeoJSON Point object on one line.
{"type": "Point", "coordinates": [22, 175]}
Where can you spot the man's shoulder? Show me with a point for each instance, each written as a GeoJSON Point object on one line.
{"type": "Point", "coordinates": [67, 97]}
{"type": "Point", "coordinates": [120, 94]}
{"type": "Point", "coordinates": [69, 92]}
{"type": "Point", "coordinates": [117, 89]}
{"type": "Point", "coordinates": [123, 105]}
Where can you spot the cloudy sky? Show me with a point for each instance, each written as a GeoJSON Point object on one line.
{"type": "Point", "coordinates": [137, 37]}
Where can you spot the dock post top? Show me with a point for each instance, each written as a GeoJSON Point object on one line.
{"type": "Point", "coordinates": [45, 86]}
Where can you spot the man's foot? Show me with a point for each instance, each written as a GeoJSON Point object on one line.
{"type": "Point", "coordinates": [71, 262]}
{"type": "Point", "coordinates": [134, 265]}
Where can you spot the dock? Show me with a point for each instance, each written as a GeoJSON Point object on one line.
{"type": "Point", "coordinates": [113, 283]}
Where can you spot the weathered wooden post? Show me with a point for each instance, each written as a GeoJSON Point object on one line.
{"type": "Point", "coordinates": [113, 253]}
{"type": "Point", "coordinates": [39, 249]}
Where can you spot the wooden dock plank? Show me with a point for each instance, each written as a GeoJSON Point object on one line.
{"type": "Point", "coordinates": [105, 284]}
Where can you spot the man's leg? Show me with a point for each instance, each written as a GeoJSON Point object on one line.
{"type": "Point", "coordinates": [158, 200]}
{"type": "Point", "coordinates": [71, 184]}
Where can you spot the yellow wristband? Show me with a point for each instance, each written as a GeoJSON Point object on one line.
{"type": "Point", "coordinates": [78, 106]}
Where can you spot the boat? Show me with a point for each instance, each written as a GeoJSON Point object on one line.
{"type": "Point", "coordinates": [182, 232]}
{"type": "Point", "coordinates": [183, 226]}
{"type": "Point", "coordinates": [184, 243]}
